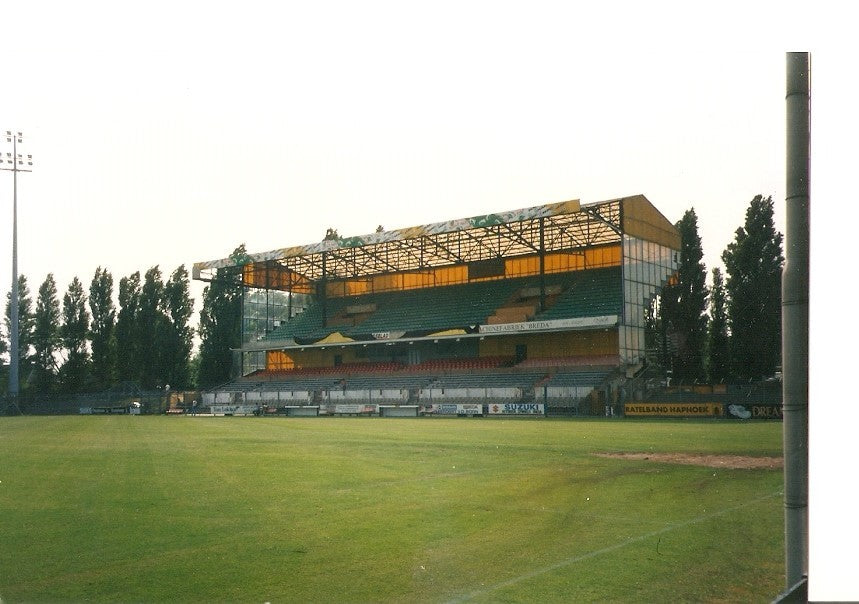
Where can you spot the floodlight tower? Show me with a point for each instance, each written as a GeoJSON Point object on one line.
{"type": "Point", "coordinates": [14, 162]}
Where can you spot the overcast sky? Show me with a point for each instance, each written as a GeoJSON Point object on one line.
{"type": "Point", "coordinates": [171, 132]}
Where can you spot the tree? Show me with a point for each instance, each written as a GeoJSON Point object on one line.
{"type": "Point", "coordinates": [753, 262]}
{"type": "Point", "coordinates": [655, 340]}
{"type": "Point", "coordinates": [718, 345]}
{"type": "Point", "coordinates": [25, 327]}
{"type": "Point", "coordinates": [46, 336]}
{"type": "Point", "coordinates": [194, 370]}
{"type": "Point", "coordinates": [102, 336]}
{"type": "Point", "coordinates": [74, 373]}
{"type": "Point", "coordinates": [178, 306]}
{"type": "Point", "coordinates": [684, 304]}
{"type": "Point", "coordinates": [127, 349]}
{"type": "Point", "coordinates": [151, 330]}
{"type": "Point", "coordinates": [220, 322]}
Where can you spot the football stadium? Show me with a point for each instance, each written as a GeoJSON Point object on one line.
{"type": "Point", "coordinates": [539, 310]}
{"type": "Point", "coordinates": [515, 316]}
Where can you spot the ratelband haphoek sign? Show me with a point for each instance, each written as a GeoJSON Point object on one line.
{"type": "Point", "coordinates": [674, 409]}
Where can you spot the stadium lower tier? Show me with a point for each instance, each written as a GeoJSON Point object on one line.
{"type": "Point", "coordinates": [561, 384]}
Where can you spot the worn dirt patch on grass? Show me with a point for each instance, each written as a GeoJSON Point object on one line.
{"type": "Point", "coordinates": [741, 462]}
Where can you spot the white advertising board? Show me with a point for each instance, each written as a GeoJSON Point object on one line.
{"type": "Point", "coordinates": [455, 409]}
{"type": "Point", "coordinates": [517, 409]}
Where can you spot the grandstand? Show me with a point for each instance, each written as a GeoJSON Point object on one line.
{"type": "Point", "coordinates": [542, 306]}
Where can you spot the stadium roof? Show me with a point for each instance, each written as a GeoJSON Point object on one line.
{"type": "Point", "coordinates": [545, 228]}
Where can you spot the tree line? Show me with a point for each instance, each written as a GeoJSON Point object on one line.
{"type": "Point", "coordinates": [84, 343]}
{"type": "Point", "coordinates": [728, 332]}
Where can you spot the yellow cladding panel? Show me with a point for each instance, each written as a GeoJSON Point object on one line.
{"type": "Point", "coordinates": [397, 281]}
{"type": "Point", "coordinates": [278, 360]}
{"type": "Point", "coordinates": [275, 277]}
{"type": "Point", "coordinates": [521, 267]}
{"type": "Point", "coordinates": [451, 274]}
{"type": "Point", "coordinates": [416, 280]}
{"type": "Point", "coordinates": [597, 342]}
{"type": "Point", "coordinates": [642, 220]}
{"type": "Point", "coordinates": [358, 287]}
{"type": "Point", "coordinates": [316, 357]}
{"type": "Point", "coordinates": [606, 255]}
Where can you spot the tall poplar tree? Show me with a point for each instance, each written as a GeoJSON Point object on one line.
{"type": "Point", "coordinates": [150, 329]}
{"type": "Point", "coordinates": [25, 329]}
{"type": "Point", "coordinates": [178, 306]}
{"type": "Point", "coordinates": [753, 263]}
{"type": "Point", "coordinates": [684, 304]}
{"type": "Point", "coordinates": [220, 322]}
{"type": "Point", "coordinates": [74, 374]}
{"type": "Point", "coordinates": [46, 336]}
{"type": "Point", "coordinates": [718, 345]}
{"type": "Point", "coordinates": [102, 336]}
{"type": "Point", "coordinates": [127, 349]}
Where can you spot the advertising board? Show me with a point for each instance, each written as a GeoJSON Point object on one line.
{"type": "Point", "coordinates": [674, 409]}
{"type": "Point", "coordinates": [517, 409]}
{"type": "Point", "coordinates": [455, 409]}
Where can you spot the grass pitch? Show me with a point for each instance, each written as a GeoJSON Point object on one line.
{"type": "Point", "coordinates": [158, 509]}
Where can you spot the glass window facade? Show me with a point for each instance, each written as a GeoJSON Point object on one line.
{"type": "Point", "coordinates": [646, 268]}
{"type": "Point", "coordinates": [263, 311]}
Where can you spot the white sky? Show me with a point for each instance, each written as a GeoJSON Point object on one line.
{"type": "Point", "coordinates": [171, 132]}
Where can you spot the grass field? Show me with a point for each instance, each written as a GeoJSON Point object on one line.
{"type": "Point", "coordinates": [156, 509]}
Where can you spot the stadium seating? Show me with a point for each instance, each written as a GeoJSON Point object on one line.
{"type": "Point", "coordinates": [437, 308]}
{"type": "Point", "coordinates": [580, 361]}
{"type": "Point", "coordinates": [590, 293]}
{"type": "Point", "coordinates": [481, 381]}
{"type": "Point", "coordinates": [569, 295]}
{"type": "Point", "coordinates": [462, 364]}
{"type": "Point", "coordinates": [586, 293]}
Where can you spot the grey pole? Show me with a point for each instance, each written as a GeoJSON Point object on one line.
{"type": "Point", "coordinates": [13, 336]}
{"type": "Point", "coordinates": [17, 163]}
{"type": "Point", "coordinates": [795, 294]}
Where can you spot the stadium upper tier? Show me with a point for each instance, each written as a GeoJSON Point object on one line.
{"type": "Point", "coordinates": [428, 310]}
